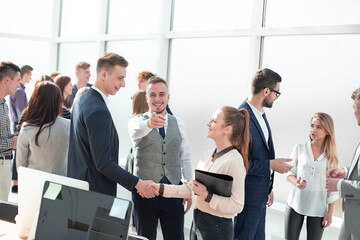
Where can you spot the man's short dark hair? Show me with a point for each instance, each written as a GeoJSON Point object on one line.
{"type": "Point", "coordinates": [109, 61]}
{"type": "Point", "coordinates": [25, 69]}
{"type": "Point", "coordinates": [264, 78]}
{"type": "Point", "coordinates": [156, 79]}
{"type": "Point", "coordinates": [8, 69]}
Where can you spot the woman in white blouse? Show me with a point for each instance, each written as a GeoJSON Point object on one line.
{"type": "Point", "coordinates": [229, 128]}
{"type": "Point", "coordinates": [308, 196]}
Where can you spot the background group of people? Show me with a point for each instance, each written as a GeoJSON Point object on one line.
{"type": "Point", "coordinates": [159, 172]}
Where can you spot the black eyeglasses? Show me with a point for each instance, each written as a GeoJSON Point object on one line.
{"type": "Point", "coordinates": [273, 90]}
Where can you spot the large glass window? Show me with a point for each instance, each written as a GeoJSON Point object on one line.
{"type": "Point", "coordinates": [26, 17]}
{"type": "Point", "coordinates": [33, 53]}
{"type": "Point", "coordinates": [319, 74]}
{"type": "Point", "coordinates": [284, 13]}
{"type": "Point", "coordinates": [135, 16]}
{"type": "Point", "coordinates": [81, 18]}
{"type": "Point", "coordinates": [190, 15]}
{"type": "Point", "coordinates": [206, 74]}
{"type": "Point", "coordinates": [72, 53]}
{"type": "Point", "coordinates": [141, 56]}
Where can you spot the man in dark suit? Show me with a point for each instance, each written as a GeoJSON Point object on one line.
{"type": "Point", "coordinates": [347, 181]}
{"type": "Point", "coordinates": [250, 223]}
{"type": "Point", "coordinates": [94, 142]}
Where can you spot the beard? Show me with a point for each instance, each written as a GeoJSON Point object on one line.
{"type": "Point", "coordinates": [267, 103]}
{"type": "Point", "coordinates": [160, 111]}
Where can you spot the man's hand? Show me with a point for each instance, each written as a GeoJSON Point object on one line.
{"type": "Point", "coordinates": [199, 189]}
{"type": "Point", "coordinates": [270, 199]}
{"type": "Point", "coordinates": [188, 205]}
{"type": "Point", "coordinates": [336, 173]}
{"type": "Point", "coordinates": [281, 165]}
{"type": "Point", "coordinates": [300, 184]}
{"type": "Point", "coordinates": [145, 189]}
{"type": "Point", "coordinates": [156, 121]}
{"type": "Point", "coordinates": [331, 184]}
{"type": "Point", "coordinates": [14, 139]}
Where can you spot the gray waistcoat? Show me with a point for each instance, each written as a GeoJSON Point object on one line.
{"type": "Point", "coordinates": [155, 157]}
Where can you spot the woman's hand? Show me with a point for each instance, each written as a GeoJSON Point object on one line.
{"type": "Point", "coordinates": [199, 189]}
{"type": "Point", "coordinates": [327, 220]}
{"type": "Point", "coordinates": [300, 184]}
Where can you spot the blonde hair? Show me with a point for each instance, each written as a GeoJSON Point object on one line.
{"type": "Point", "coordinates": [80, 92]}
{"type": "Point", "coordinates": [330, 143]}
{"type": "Point", "coordinates": [239, 121]}
{"type": "Point", "coordinates": [82, 65]}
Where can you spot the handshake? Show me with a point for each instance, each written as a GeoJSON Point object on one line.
{"type": "Point", "coordinates": [147, 188]}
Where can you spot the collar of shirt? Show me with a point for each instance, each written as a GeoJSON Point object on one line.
{"type": "Point", "coordinates": [22, 86]}
{"type": "Point", "coordinates": [254, 109]}
{"type": "Point", "coordinates": [219, 154]}
{"type": "Point", "coordinates": [102, 94]}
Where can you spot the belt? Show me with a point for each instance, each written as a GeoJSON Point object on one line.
{"type": "Point", "coordinates": [6, 157]}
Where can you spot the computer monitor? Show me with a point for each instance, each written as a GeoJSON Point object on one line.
{"type": "Point", "coordinates": [31, 184]}
{"type": "Point", "coordinates": [71, 213]}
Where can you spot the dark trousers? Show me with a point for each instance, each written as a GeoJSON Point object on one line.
{"type": "Point", "coordinates": [14, 171]}
{"type": "Point", "coordinates": [170, 211]}
{"type": "Point", "coordinates": [209, 227]}
{"type": "Point", "coordinates": [250, 223]}
{"type": "Point", "coordinates": [294, 222]}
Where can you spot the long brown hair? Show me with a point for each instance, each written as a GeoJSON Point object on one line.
{"type": "Point", "coordinates": [239, 121]}
{"type": "Point", "coordinates": [44, 107]}
{"type": "Point", "coordinates": [139, 104]}
{"type": "Point", "coordinates": [330, 143]}
{"type": "Point", "coordinates": [62, 81]}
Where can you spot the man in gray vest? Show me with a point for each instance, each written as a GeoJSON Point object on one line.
{"type": "Point", "coordinates": [161, 154]}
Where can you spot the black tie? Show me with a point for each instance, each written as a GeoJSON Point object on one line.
{"type": "Point", "coordinates": [162, 132]}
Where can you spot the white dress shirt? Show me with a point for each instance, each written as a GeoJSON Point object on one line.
{"type": "Point", "coordinates": [138, 128]}
{"type": "Point", "coordinates": [102, 94]}
{"type": "Point", "coordinates": [313, 200]}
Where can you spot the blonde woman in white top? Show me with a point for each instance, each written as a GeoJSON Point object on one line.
{"type": "Point", "coordinates": [229, 128]}
{"type": "Point", "coordinates": [308, 196]}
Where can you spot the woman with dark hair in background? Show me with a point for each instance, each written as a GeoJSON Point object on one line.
{"type": "Point", "coordinates": [213, 214]}
{"type": "Point", "coordinates": [64, 83]}
{"type": "Point", "coordinates": [43, 140]}
{"type": "Point", "coordinates": [139, 106]}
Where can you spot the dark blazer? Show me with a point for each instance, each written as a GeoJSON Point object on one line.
{"type": "Point", "coordinates": [257, 183]}
{"type": "Point", "coordinates": [94, 146]}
